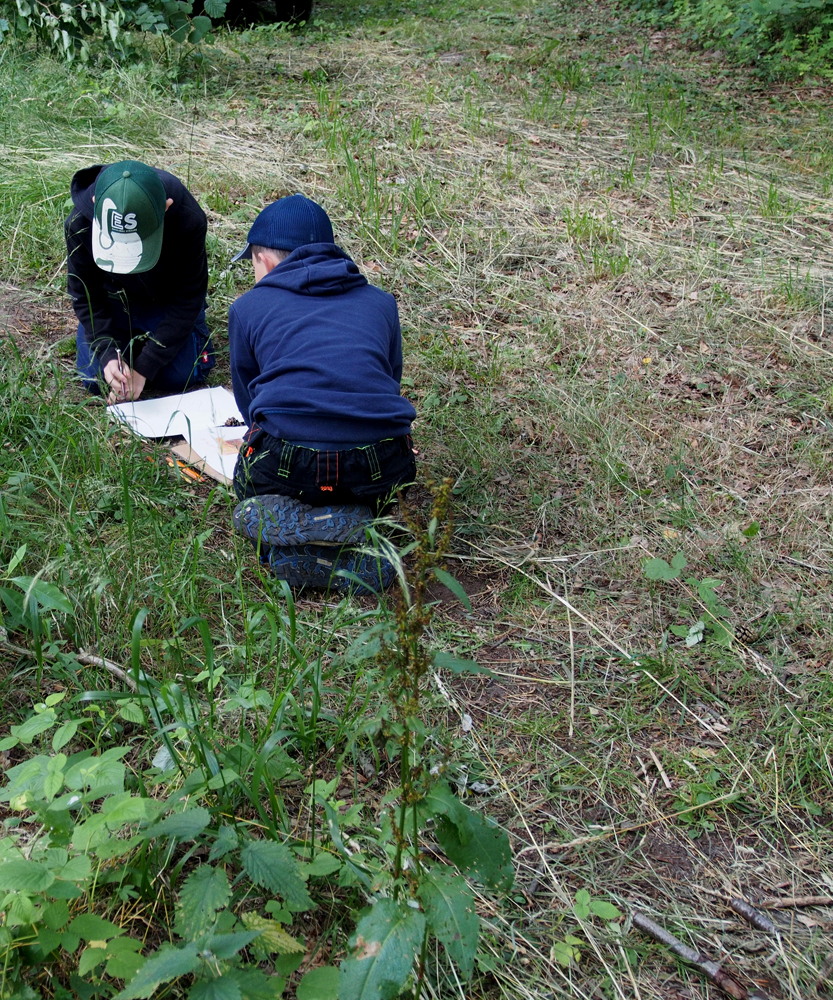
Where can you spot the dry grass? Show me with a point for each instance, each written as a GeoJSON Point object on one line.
{"type": "Point", "coordinates": [612, 259]}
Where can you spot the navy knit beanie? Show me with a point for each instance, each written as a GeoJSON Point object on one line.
{"type": "Point", "coordinates": [287, 224]}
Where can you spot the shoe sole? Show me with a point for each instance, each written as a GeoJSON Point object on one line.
{"type": "Point", "coordinates": [278, 520]}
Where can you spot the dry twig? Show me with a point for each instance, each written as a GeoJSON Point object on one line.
{"type": "Point", "coordinates": [88, 659]}
{"type": "Point", "coordinates": [711, 970]}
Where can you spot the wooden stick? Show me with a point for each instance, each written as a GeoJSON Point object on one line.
{"type": "Point", "coordinates": [711, 970]}
{"type": "Point", "coordinates": [790, 901]}
{"type": "Point", "coordinates": [88, 659]}
{"type": "Point", "coordinates": [751, 915]}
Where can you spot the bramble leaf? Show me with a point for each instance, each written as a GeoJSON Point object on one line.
{"type": "Point", "coordinates": [22, 875]}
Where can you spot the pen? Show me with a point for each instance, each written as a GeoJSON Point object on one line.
{"type": "Point", "coordinates": [121, 366]}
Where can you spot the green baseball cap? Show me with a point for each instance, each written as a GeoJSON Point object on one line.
{"type": "Point", "coordinates": [129, 217]}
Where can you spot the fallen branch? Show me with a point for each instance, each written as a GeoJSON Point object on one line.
{"type": "Point", "coordinates": [88, 659]}
{"type": "Point", "coordinates": [790, 901]}
{"type": "Point", "coordinates": [751, 915]}
{"type": "Point", "coordinates": [711, 970]}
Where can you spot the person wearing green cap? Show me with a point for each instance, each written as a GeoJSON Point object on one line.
{"type": "Point", "coordinates": [137, 273]}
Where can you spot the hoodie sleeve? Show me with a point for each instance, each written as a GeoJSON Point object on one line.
{"type": "Point", "coordinates": [244, 367]}
{"type": "Point", "coordinates": [396, 347]}
{"type": "Point", "coordinates": [85, 284]}
{"type": "Point", "coordinates": [184, 253]}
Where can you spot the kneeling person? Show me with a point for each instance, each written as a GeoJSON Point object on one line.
{"type": "Point", "coordinates": [137, 275]}
{"type": "Point", "coordinates": [316, 363]}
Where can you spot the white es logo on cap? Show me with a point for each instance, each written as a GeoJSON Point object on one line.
{"type": "Point", "coordinates": [116, 244]}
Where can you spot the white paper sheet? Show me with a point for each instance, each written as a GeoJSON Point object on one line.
{"type": "Point", "coordinates": [186, 414]}
{"type": "Point", "coordinates": [218, 447]}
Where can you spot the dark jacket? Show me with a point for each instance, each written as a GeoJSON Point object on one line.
{"type": "Point", "coordinates": [316, 353]}
{"type": "Point", "coordinates": [177, 283]}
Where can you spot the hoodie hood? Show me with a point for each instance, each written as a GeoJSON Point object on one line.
{"type": "Point", "coordinates": [82, 189]}
{"type": "Point", "coordinates": [315, 269]}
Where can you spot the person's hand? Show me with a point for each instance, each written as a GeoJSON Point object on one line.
{"type": "Point", "coordinates": [125, 384]}
{"type": "Point", "coordinates": [117, 380]}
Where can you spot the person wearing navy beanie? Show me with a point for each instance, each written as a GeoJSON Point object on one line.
{"type": "Point", "coordinates": [316, 364]}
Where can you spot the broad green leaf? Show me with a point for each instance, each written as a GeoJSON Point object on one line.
{"type": "Point", "coordinates": [447, 580]}
{"type": "Point", "coordinates": [441, 801]}
{"type": "Point", "coordinates": [752, 530]}
{"type": "Point", "coordinates": [16, 560]}
{"type": "Point", "coordinates": [64, 733]}
{"type": "Point", "coordinates": [123, 960]}
{"type": "Point", "coordinates": [124, 808]}
{"type": "Point", "coordinates": [215, 8]}
{"type": "Point", "coordinates": [90, 834]}
{"type": "Point", "coordinates": [48, 940]}
{"type": "Point", "coordinates": [272, 867]}
{"type": "Point", "coordinates": [91, 958]}
{"type": "Point", "coordinates": [21, 875]}
{"type": "Point", "coordinates": [226, 946]}
{"type": "Point", "coordinates": [254, 985]}
{"type": "Point", "coordinates": [382, 952]}
{"type": "Point", "coordinates": [322, 864]}
{"type": "Point", "coordinates": [224, 988]}
{"type": "Point", "coordinates": [485, 852]}
{"type": "Point", "coordinates": [186, 825]}
{"type": "Point", "coordinates": [446, 661]}
{"type": "Point", "coordinates": [130, 711]}
{"type": "Point", "coordinates": [581, 904]}
{"type": "Point", "coordinates": [76, 869]}
{"type": "Point", "coordinates": [204, 892]}
{"type": "Point", "coordinates": [359, 871]}
{"type": "Point", "coordinates": [225, 842]}
{"type": "Point", "coordinates": [55, 915]}
{"type": "Point", "coordinates": [678, 562]}
{"type": "Point", "coordinates": [103, 775]}
{"type": "Point", "coordinates": [166, 964]}
{"type": "Point", "coordinates": [659, 569]}
{"type": "Point", "coordinates": [601, 908]}
{"type": "Point", "coordinates": [272, 940]}
{"type": "Point", "coordinates": [47, 595]}
{"type": "Point", "coordinates": [201, 27]}
{"type": "Point", "coordinates": [449, 910]}
{"type": "Point", "coordinates": [90, 927]}
{"type": "Point", "coordinates": [34, 726]}
{"type": "Point", "coordinates": [319, 984]}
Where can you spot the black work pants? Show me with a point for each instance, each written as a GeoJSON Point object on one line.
{"type": "Point", "coordinates": [370, 475]}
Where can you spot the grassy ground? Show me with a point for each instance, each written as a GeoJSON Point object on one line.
{"type": "Point", "coordinates": [612, 259]}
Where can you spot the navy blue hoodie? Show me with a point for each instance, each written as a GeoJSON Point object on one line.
{"type": "Point", "coordinates": [316, 353]}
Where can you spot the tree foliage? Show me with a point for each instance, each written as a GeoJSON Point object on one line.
{"type": "Point", "coordinates": [75, 30]}
{"type": "Point", "coordinates": [782, 38]}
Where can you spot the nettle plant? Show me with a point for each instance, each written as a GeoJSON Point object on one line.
{"type": "Point", "coordinates": [81, 834]}
{"type": "Point", "coordinates": [96, 832]}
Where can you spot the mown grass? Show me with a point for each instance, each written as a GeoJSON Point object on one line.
{"type": "Point", "coordinates": [612, 259]}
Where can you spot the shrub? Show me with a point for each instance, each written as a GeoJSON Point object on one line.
{"type": "Point", "coordinates": [782, 38]}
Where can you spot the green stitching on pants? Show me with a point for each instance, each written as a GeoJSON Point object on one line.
{"type": "Point", "coordinates": [373, 462]}
{"type": "Point", "coordinates": [285, 462]}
